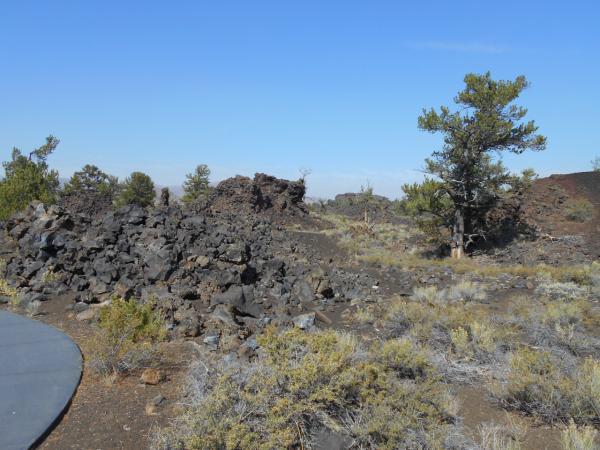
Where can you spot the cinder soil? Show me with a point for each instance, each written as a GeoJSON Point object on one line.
{"type": "Point", "coordinates": [545, 206]}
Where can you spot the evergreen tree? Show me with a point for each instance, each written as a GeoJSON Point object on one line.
{"type": "Point", "coordinates": [91, 180]}
{"type": "Point", "coordinates": [28, 178]}
{"type": "Point", "coordinates": [196, 184]}
{"type": "Point", "coordinates": [138, 189]}
{"type": "Point", "coordinates": [486, 124]}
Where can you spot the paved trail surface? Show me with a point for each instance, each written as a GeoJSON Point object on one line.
{"type": "Point", "coordinates": [40, 368]}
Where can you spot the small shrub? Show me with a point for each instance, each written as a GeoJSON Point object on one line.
{"type": "Point", "coordinates": [466, 291]}
{"type": "Point", "coordinates": [484, 336]}
{"type": "Point", "coordinates": [560, 291]}
{"type": "Point", "coordinates": [429, 294]}
{"type": "Point", "coordinates": [579, 210]}
{"type": "Point", "coordinates": [537, 386]}
{"type": "Point", "coordinates": [8, 291]}
{"type": "Point", "coordinates": [461, 342]}
{"type": "Point", "coordinates": [126, 336]}
{"type": "Point", "coordinates": [403, 356]}
{"type": "Point", "coordinates": [49, 276]}
{"type": "Point", "coordinates": [364, 315]}
{"type": "Point", "coordinates": [306, 382]}
{"type": "Point", "coordinates": [565, 313]}
{"type": "Point", "coordinates": [578, 438]}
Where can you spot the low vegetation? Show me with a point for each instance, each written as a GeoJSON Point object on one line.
{"type": "Point", "coordinates": [579, 210]}
{"type": "Point", "coordinates": [538, 385]}
{"type": "Point", "coordinates": [307, 384]}
{"type": "Point", "coordinates": [578, 438]}
{"type": "Point", "coordinates": [137, 189]}
{"type": "Point", "coordinates": [196, 184]}
{"type": "Point", "coordinates": [126, 337]}
{"type": "Point", "coordinates": [28, 178]}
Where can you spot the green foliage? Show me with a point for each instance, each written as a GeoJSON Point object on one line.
{"type": "Point", "coordinates": [432, 207]}
{"type": "Point", "coordinates": [384, 397]}
{"type": "Point", "coordinates": [127, 332]}
{"type": "Point", "coordinates": [196, 184]}
{"type": "Point", "coordinates": [90, 179]}
{"type": "Point", "coordinates": [28, 178]}
{"type": "Point", "coordinates": [596, 164]}
{"type": "Point", "coordinates": [486, 123]}
{"type": "Point", "coordinates": [138, 189]}
{"type": "Point", "coordinates": [579, 210]}
{"type": "Point", "coordinates": [522, 182]}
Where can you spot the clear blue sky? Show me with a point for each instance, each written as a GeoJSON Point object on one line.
{"type": "Point", "coordinates": [274, 86]}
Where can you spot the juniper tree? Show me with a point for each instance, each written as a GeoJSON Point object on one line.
{"type": "Point", "coordinates": [196, 184]}
{"type": "Point", "coordinates": [138, 189]}
{"type": "Point", "coordinates": [28, 178]}
{"type": "Point", "coordinates": [91, 180]}
{"type": "Point", "coordinates": [486, 124]}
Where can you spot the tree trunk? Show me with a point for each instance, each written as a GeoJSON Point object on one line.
{"type": "Point", "coordinates": [458, 234]}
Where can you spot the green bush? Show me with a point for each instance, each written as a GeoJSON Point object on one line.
{"type": "Point", "coordinates": [138, 189]}
{"type": "Point", "coordinates": [383, 397]}
{"type": "Point", "coordinates": [28, 178]}
{"type": "Point", "coordinates": [91, 180]}
{"type": "Point", "coordinates": [126, 336]}
{"type": "Point", "coordinates": [196, 184]}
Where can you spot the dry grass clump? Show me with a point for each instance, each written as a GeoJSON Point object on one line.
{"type": "Point", "coordinates": [126, 337]}
{"type": "Point", "coordinates": [563, 328]}
{"type": "Point", "coordinates": [307, 384]}
{"type": "Point", "coordinates": [537, 385]}
{"type": "Point", "coordinates": [364, 238]}
{"type": "Point", "coordinates": [446, 321]}
{"type": "Point", "coordinates": [494, 436]}
{"type": "Point", "coordinates": [578, 438]}
{"type": "Point", "coordinates": [555, 290]}
{"type": "Point", "coordinates": [466, 291]}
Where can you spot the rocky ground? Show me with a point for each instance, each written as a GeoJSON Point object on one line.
{"type": "Point", "coordinates": [249, 256]}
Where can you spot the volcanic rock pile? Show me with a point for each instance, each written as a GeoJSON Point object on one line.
{"type": "Point", "coordinates": [276, 197]}
{"type": "Point", "coordinates": [234, 268]}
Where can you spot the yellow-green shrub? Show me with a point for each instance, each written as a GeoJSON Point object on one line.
{"type": "Point", "coordinates": [537, 386]}
{"type": "Point", "coordinates": [126, 336]}
{"type": "Point", "coordinates": [304, 382]}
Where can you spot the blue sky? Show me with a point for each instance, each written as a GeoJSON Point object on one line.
{"type": "Point", "coordinates": [275, 86]}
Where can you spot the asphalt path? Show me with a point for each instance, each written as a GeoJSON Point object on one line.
{"type": "Point", "coordinates": [40, 368]}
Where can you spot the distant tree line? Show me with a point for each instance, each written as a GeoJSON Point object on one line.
{"type": "Point", "coordinates": [27, 177]}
